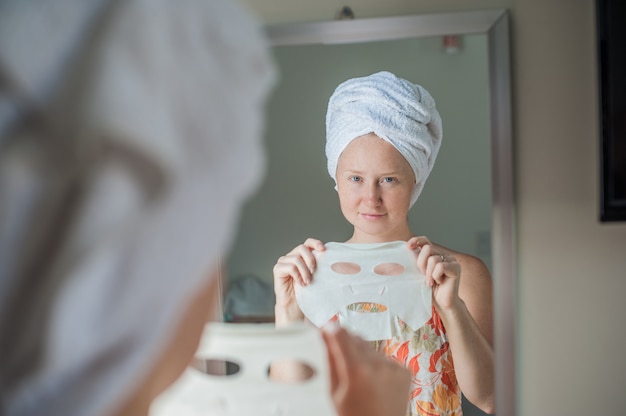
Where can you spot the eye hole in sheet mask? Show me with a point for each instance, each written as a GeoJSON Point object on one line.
{"type": "Point", "coordinates": [367, 307]}
{"type": "Point", "coordinates": [389, 269]}
{"type": "Point", "coordinates": [290, 371]}
{"type": "Point", "coordinates": [345, 267]}
{"type": "Point", "coordinates": [220, 368]}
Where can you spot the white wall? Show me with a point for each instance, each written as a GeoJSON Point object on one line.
{"type": "Point", "coordinates": [572, 269]}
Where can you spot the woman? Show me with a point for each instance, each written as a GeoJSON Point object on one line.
{"type": "Point", "coordinates": [383, 135]}
{"type": "Point", "coordinates": [122, 127]}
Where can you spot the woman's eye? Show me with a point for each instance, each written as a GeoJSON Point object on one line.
{"type": "Point", "coordinates": [388, 180]}
{"type": "Point", "coordinates": [355, 179]}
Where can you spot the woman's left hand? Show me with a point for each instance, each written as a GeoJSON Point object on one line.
{"type": "Point", "coordinates": [441, 269]}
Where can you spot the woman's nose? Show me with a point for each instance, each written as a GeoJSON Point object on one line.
{"type": "Point", "coordinates": [373, 195]}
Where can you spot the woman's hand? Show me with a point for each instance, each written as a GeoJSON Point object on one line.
{"type": "Point", "coordinates": [441, 269]}
{"type": "Point", "coordinates": [364, 382]}
{"type": "Point", "coordinates": [466, 311]}
{"type": "Point", "coordinates": [295, 267]}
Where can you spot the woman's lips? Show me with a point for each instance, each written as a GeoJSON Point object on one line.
{"type": "Point", "coordinates": [372, 217]}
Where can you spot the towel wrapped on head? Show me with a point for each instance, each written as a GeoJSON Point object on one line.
{"type": "Point", "coordinates": [119, 124]}
{"type": "Point", "coordinates": [396, 110]}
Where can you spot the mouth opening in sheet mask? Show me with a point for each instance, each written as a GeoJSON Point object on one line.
{"type": "Point", "coordinates": [367, 307]}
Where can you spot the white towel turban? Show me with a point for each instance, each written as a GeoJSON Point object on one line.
{"type": "Point", "coordinates": [173, 94]}
{"type": "Point", "coordinates": [396, 110]}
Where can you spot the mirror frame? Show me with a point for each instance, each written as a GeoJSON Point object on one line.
{"type": "Point", "coordinates": [494, 24]}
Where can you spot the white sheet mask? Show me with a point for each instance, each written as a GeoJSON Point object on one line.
{"type": "Point", "coordinates": [253, 347]}
{"type": "Point", "coordinates": [351, 277]}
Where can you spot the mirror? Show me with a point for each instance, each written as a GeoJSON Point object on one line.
{"type": "Point", "coordinates": [467, 203]}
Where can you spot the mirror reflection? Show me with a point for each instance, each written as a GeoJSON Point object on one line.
{"type": "Point", "coordinates": [298, 198]}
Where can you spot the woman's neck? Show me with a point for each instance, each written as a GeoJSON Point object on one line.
{"type": "Point", "coordinates": [138, 405]}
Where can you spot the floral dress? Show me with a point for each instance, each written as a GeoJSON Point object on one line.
{"type": "Point", "coordinates": [426, 353]}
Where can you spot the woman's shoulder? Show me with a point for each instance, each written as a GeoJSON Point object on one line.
{"type": "Point", "coordinates": [470, 264]}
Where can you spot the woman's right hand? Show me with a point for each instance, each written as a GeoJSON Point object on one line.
{"type": "Point", "coordinates": [363, 381]}
{"type": "Point", "coordinates": [295, 267]}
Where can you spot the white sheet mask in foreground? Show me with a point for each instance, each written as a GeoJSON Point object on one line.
{"type": "Point", "coordinates": [249, 391]}
{"type": "Point", "coordinates": [367, 286]}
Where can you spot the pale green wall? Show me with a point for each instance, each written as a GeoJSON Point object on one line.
{"type": "Point", "coordinates": [298, 200]}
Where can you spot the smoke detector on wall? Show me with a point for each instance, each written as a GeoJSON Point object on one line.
{"type": "Point", "coordinates": [345, 13]}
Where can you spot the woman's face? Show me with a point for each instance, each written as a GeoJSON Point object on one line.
{"type": "Point", "coordinates": [375, 182]}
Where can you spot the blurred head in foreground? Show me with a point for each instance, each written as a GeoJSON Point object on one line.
{"type": "Point", "coordinates": [130, 135]}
